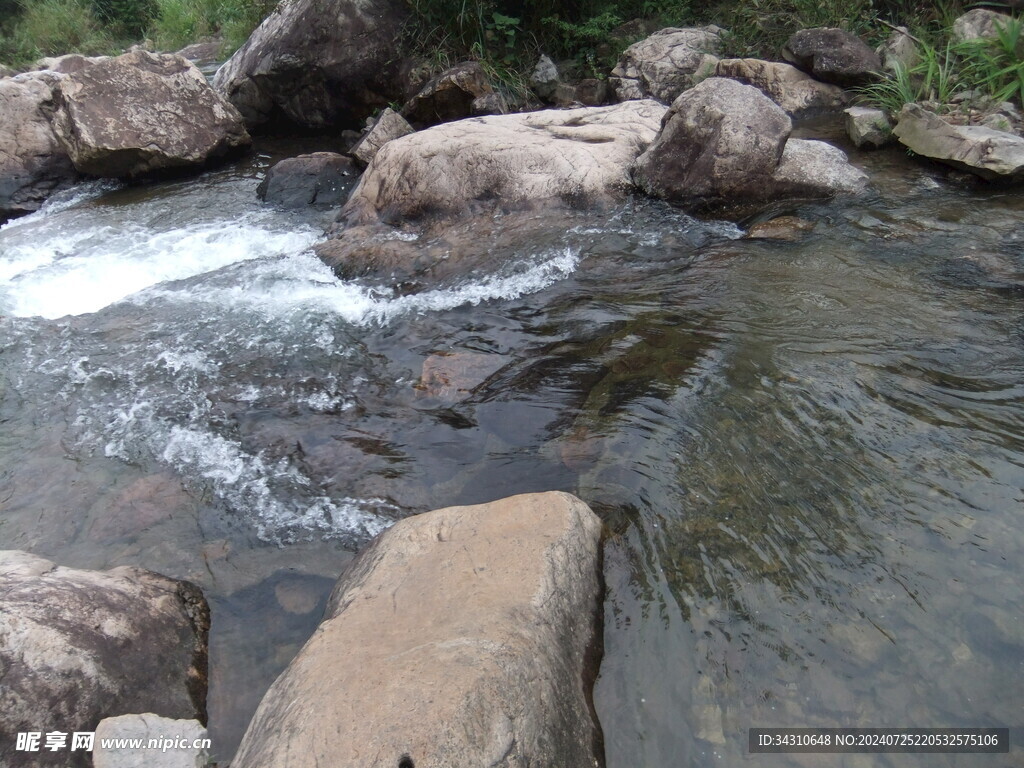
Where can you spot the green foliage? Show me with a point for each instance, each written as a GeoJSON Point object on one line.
{"type": "Point", "coordinates": [935, 78]}
{"type": "Point", "coordinates": [181, 22]}
{"type": "Point", "coordinates": [997, 66]}
{"type": "Point", "coordinates": [760, 28]}
{"type": "Point", "coordinates": [127, 18]}
{"type": "Point", "coordinates": [54, 27]}
{"type": "Point", "coordinates": [893, 92]}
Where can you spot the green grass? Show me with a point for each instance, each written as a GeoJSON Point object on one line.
{"type": "Point", "coordinates": [52, 28]}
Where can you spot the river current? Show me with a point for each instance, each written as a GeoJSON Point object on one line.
{"type": "Point", "coordinates": [809, 455]}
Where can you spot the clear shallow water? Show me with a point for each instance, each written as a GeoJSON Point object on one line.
{"type": "Point", "coordinates": [808, 455]}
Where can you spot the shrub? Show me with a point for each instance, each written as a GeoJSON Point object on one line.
{"type": "Point", "coordinates": [127, 18]}
{"type": "Point", "coordinates": [54, 27]}
{"type": "Point", "coordinates": [997, 66]}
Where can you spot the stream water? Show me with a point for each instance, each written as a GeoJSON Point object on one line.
{"type": "Point", "coordinates": [809, 455]}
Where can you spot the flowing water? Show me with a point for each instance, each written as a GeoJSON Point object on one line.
{"type": "Point", "coordinates": [809, 455]}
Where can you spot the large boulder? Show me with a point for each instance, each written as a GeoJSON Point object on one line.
{"type": "Point", "coordinates": [320, 178]}
{"type": "Point", "coordinates": [667, 63]}
{"type": "Point", "coordinates": [993, 155]}
{"type": "Point", "coordinates": [142, 112]}
{"type": "Point", "coordinates": [33, 164]}
{"type": "Point", "coordinates": [833, 55]}
{"type": "Point", "coordinates": [978, 24]}
{"type": "Point", "coordinates": [580, 156]}
{"type": "Point", "coordinates": [458, 92]}
{"type": "Point", "coordinates": [318, 63]}
{"type": "Point", "coordinates": [463, 637]}
{"type": "Point", "coordinates": [78, 646]}
{"type": "Point", "coordinates": [726, 142]}
{"type": "Point", "coordinates": [799, 94]}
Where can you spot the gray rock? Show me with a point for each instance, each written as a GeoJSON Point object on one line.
{"type": "Point", "coordinates": [68, 64]}
{"type": "Point", "coordinates": [993, 155]}
{"type": "Point", "coordinates": [388, 127]}
{"type": "Point", "coordinates": [33, 164]}
{"type": "Point", "coordinates": [321, 178]}
{"type": "Point", "coordinates": [725, 142]}
{"type": "Point", "coordinates": [799, 94]}
{"type": "Point", "coordinates": [6, 71]}
{"type": "Point", "coordinates": [978, 24]}
{"type": "Point", "coordinates": [79, 646]}
{"type": "Point", "coordinates": [143, 112]}
{"type": "Point", "coordinates": [833, 55]}
{"type": "Point", "coordinates": [545, 78]}
{"type": "Point", "coordinates": [150, 728]}
{"type": "Point", "coordinates": [899, 51]}
{"type": "Point", "coordinates": [338, 76]}
{"type": "Point", "coordinates": [667, 63]}
{"type": "Point", "coordinates": [458, 92]}
{"type": "Point", "coordinates": [203, 53]}
{"type": "Point", "coordinates": [868, 127]}
{"type": "Point", "coordinates": [463, 637]}
{"type": "Point", "coordinates": [580, 156]}
{"type": "Point", "coordinates": [814, 169]}
{"type": "Point", "coordinates": [590, 92]}
{"type": "Point", "coordinates": [720, 139]}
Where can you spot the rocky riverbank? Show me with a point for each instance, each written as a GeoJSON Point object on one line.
{"type": "Point", "coordinates": [702, 133]}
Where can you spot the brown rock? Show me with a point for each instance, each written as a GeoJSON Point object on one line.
{"type": "Point", "coordinates": [789, 228]}
{"type": "Point", "coordinates": [462, 637]}
{"type": "Point", "coordinates": [799, 94]}
{"type": "Point", "coordinates": [452, 376]}
{"type": "Point", "coordinates": [79, 646]}
{"type": "Point", "coordinates": [143, 112]}
{"type": "Point", "coordinates": [666, 63]}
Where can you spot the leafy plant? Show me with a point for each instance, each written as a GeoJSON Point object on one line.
{"type": "Point", "coordinates": [997, 66]}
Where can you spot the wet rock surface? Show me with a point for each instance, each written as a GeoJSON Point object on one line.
{"type": "Point", "coordinates": [868, 128]}
{"type": "Point", "coordinates": [321, 178]}
{"type": "Point", "coordinates": [487, 658]}
{"type": "Point", "coordinates": [84, 645]}
{"type": "Point", "coordinates": [141, 113]}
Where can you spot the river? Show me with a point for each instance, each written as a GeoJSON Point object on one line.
{"type": "Point", "coordinates": [809, 455]}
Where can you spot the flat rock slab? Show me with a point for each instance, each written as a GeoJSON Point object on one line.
{"type": "Point", "coordinates": [463, 637]}
{"type": "Point", "coordinates": [175, 743]}
{"type": "Point", "coordinates": [993, 155]}
{"type": "Point", "coordinates": [78, 646]}
{"type": "Point", "coordinates": [578, 156]}
{"type": "Point", "coordinates": [143, 112]}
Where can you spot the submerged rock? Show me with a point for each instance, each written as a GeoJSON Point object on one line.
{"type": "Point", "coordinates": [148, 727]}
{"type": "Point", "coordinates": [458, 92]}
{"type": "Point", "coordinates": [338, 75]}
{"type": "Point", "coordinates": [868, 127]}
{"type": "Point", "coordinates": [990, 154]}
{"type": "Point", "coordinates": [388, 126]}
{"type": "Point", "coordinates": [666, 63]}
{"type": "Point", "coordinates": [578, 156]}
{"type": "Point", "coordinates": [140, 113]}
{"type": "Point", "coordinates": [726, 142]}
{"type": "Point", "coordinates": [799, 94]}
{"type": "Point", "coordinates": [452, 376]}
{"type": "Point", "coordinates": [788, 228]}
{"type": "Point", "coordinates": [321, 178]}
{"type": "Point", "coordinates": [833, 55]}
{"type": "Point", "coordinates": [462, 637]}
{"type": "Point", "coordinates": [80, 646]}
{"type": "Point", "coordinates": [33, 164]}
